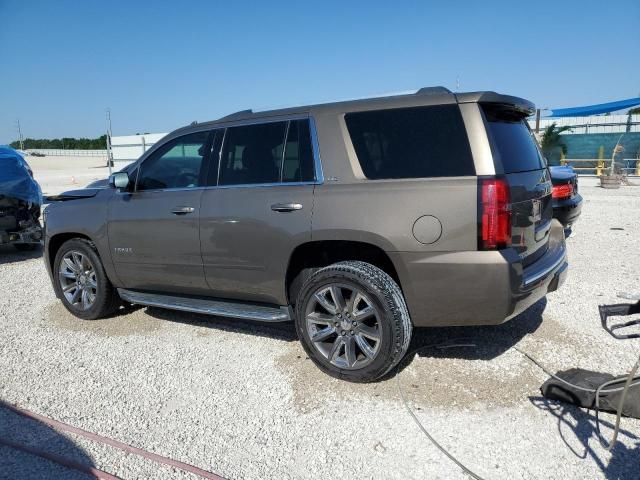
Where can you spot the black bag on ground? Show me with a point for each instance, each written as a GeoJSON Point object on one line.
{"type": "Point", "coordinates": [554, 389]}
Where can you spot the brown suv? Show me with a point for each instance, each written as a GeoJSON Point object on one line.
{"type": "Point", "coordinates": [357, 220]}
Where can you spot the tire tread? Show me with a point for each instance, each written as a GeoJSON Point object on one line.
{"type": "Point", "coordinates": [393, 297]}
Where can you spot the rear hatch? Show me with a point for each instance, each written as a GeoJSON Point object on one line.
{"type": "Point", "coordinates": [518, 160]}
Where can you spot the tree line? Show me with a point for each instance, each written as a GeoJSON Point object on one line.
{"type": "Point", "coordinates": [99, 143]}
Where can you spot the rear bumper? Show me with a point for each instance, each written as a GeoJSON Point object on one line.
{"type": "Point", "coordinates": [477, 288]}
{"type": "Point", "coordinates": [567, 211]}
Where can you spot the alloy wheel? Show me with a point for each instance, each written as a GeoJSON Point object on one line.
{"type": "Point", "coordinates": [344, 325]}
{"type": "Point", "coordinates": [77, 278]}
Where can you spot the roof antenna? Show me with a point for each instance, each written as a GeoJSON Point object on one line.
{"type": "Point", "coordinates": [457, 83]}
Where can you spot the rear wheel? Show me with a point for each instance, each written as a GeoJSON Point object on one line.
{"type": "Point", "coordinates": [353, 321]}
{"type": "Point", "coordinates": [81, 283]}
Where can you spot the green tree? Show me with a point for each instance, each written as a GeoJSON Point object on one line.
{"type": "Point", "coordinates": [552, 141]}
{"type": "Point", "coordinates": [634, 111]}
{"type": "Point", "coordinates": [68, 143]}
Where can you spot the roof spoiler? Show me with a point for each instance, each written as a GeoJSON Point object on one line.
{"type": "Point", "coordinates": [516, 103]}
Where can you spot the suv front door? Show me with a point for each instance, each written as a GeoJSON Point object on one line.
{"type": "Point", "coordinates": [154, 229]}
{"type": "Point", "coordinates": [258, 210]}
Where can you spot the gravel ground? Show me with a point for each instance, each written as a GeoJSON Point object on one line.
{"type": "Point", "coordinates": [242, 399]}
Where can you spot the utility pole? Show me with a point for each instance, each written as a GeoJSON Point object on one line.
{"type": "Point", "coordinates": [109, 153]}
{"type": "Point", "coordinates": [20, 138]}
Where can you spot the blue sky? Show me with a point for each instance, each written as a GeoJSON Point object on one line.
{"type": "Point", "coordinates": [159, 65]}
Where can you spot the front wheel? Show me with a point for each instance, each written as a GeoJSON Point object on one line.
{"type": "Point", "coordinates": [352, 320]}
{"type": "Point", "coordinates": [81, 282]}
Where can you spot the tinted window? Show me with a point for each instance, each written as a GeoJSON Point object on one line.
{"type": "Point", "coordinates": [513, 145]}
{"type": "Point", "coordinates": [411, 142]}
{"type": "Point", "coordinates": [175, 165]}
{"type": "Point", "coordinates": [252, 154]}
{"type": "Point", "coordinates": [298, 155]}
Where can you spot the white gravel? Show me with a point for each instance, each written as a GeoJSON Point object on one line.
{"type": "Point", "coordinates": [242, 400]}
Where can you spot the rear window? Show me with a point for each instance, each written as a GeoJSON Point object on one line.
{"type": "Point", "coordinates": [411, 142]}
{"type": "Point", "coordinates": [512, 143]}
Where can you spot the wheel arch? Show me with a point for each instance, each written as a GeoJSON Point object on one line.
{"type": "Point", "coordinates": [55, 242]}
{"type": "Point", "coordinates": [320, 253]}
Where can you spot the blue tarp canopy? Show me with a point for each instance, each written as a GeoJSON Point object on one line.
{"type": "Point", "coordinates": [595, 109]}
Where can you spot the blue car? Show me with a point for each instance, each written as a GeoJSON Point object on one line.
{"type": "Point", "coordinates": [20, 202]}
{"type": "Point", "coordinates": [566, 201]}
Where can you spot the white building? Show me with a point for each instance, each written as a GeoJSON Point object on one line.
{"type": "Point", "coordinates": [127, 148]}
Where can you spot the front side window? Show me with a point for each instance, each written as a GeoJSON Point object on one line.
{"type": "Point", "coordinates": [412, 142]}
{"type": "Point", "coordinates": [175, 165]}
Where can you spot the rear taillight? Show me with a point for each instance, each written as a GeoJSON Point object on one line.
{"type": "Point", "coordinates": [562, 191]}
{"type": "Point", "coordinates": [494, 214]}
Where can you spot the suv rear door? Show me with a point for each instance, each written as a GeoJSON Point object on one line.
{"type": "Point", "coordinates": [257, 209]}
{"type": "Point", "coordinates": [518, 159]}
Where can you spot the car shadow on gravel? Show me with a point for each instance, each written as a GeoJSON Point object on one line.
{"type": "Point", "coordinates": [20, 465]}
{"type": "Point", "coordinates": [488, 341]}
{"type": "Point", "coordinates": [623, 461]}
{"type": "Point", "coordinates": [9, 254]}
{"type": "Point", "coordinates": [285, 331]}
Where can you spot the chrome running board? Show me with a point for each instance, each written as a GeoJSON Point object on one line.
{"type": "Point", "coordinates": [208, 307]}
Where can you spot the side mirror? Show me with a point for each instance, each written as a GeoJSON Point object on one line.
{"type": "Point", "coordinates": [119, 180]}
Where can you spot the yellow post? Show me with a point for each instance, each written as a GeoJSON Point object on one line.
{"type": "Point", "coordinates": [638, 167]}
{"type": "Point", "coordinates": [563, 160]}
{"type": "Point", "coordinates": [600, 161]}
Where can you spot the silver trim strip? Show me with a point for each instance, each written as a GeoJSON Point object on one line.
{"type": "Point", "coordinates": [284, 149]}
{"type": "Point", "coordinates": [214, 187]}
{"type": "Point", "coordinates": [315, 144]}
{"type": "Point", "coordinates": [250, 185]}
{"type": "Point", "coordinates": [208, 307]}
{"type": "Point", "coordinates": [224, 139]}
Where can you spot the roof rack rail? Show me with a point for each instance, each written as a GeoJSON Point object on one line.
{"type": "Point", "coordinates": [241, 113]}
{"type": "Point", "coordinates": [433, 91]}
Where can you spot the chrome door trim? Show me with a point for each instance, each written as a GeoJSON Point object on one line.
{"type": "Point", "coordinates": [315, 147]}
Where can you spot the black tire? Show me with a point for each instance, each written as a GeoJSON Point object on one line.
{"type": "Point", "coordinates": [106, 300]}
{"type": "Point", "coordinates": [26, 247]}
{"type": "Point", "coordinates": [298, 283]}
{"type": "Point", "coordinates": [393, 325]}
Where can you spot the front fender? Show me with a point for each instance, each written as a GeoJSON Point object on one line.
{"type": "Point", "coordinates": [83, 218]}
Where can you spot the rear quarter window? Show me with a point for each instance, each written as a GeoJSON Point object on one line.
{"type": "Point", "coordinates": [412, 142]}
{"type": "Point", "coordinates": [513, 146]}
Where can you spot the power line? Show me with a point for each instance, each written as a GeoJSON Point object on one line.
{"type": "Point", "coordinates": [109, 152]}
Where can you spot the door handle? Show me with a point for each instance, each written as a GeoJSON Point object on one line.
{"type": "Point", "coordinates": [182, 210]}
{"type": "Point", "coordinates": [286, 207]}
